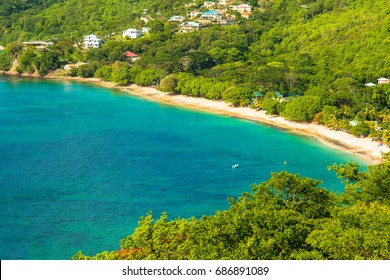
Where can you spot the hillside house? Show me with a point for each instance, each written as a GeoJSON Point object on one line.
{"type": "Point", "coordinates": [132, 33]}
{"type": "Point", "coordinates": [208, 4]}
{"type": "Point", "coordinates": [131, 56]}
{"type": "Point", "coordinates": [145, 29]}
{"type": "Point", "coordinates": [382, 81]}
{"type": "Point", "coordinates": [92, 41]}
{"type": "Point", "coordinates": [177, 18]}
{"type": "Point", "coordinates": [223, 2]}
{"type": "Point", "coordinates": [242, 8]}
{"type": "Point", "coordinates": [190, 26]}
{"type": "Point", "coordinates": [211, 15]}
{"type": "Point", "coordinates": [42, 45]}
{"type": "Point", "coordinates": [193, 14]}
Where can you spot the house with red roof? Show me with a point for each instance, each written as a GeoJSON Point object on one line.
{"type": "Point", "coordinates": [130, 55]}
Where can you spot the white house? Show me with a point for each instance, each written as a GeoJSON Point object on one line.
{"type": "Point", "coordinates": [193, 14]}
{"type": "Point", "coordinates": [39, 44]}
{"type": "Point", "coordinates": [208, 4]}
{"type": "Point", "coordinates": [242, 8]}
{"type": "Point", "coordinates": [190, 26]}
{"type": "Point", "coordinates": [145, 29]}
{"type": "Point", "coordinates": [92, 41]}
{"type": "Point", "coordinates": [223, 2]}
{"type": "Point", "coordinates": [177, 18]}
{"type": "Point", "coordinates": [383, 81]}
{"type": "Point", "coordinates": [211, 15]}
{"type": "Point", "coordinates": [132, 33]}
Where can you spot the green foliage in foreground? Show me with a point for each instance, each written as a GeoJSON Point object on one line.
{"type": "Point", "coordinates": [286, 217]}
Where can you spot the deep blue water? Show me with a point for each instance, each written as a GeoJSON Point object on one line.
{"type": "Point", "coordinates": [79, 165]}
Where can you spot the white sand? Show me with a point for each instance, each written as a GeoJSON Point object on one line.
{"type": "Point", "coordinates": [364, 147]}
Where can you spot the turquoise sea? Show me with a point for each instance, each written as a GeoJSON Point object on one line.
{"type": "Point", "coordinates": [79, 164]}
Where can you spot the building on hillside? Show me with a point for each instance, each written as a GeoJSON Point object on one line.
{"type": "Point", "coordinates": [38, 44]}
{"type": "Point", "coordinates": [177, 18]}
{"type": "Point", "coordinates": [92, 41]}
{"type": "Point", "coordinates": [208, 4]}
{"type": "Point", "coordinates": [211, 15]}
{"type": "Point", "coordinates": [132, 33]}
{"type": "Point", "coordinates": [242, 8]}
{"type": "Point", "coordinates": [223, 2]}
{"type": "Point", "coordinates": [193, 14]}
{"type": "Point", "coordinates": [190, 26]}
{"type": "Point", "coordinates": [145, 29]}
{"type": "Point", "coordinates": [224, 21]}
{"type": "Point", "coordinates": [131, 56]}
{"type": "Point", "coordinates": [279, 96]}
{"type": "Point", "coordinates": [370, 85]}
{"type": "Point", "coordinates": [246, 14]}
{"type": "Point", "coordinates": [382, 81]}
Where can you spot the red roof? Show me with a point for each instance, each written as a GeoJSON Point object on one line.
{"type": "Point", "coordinates": [130, 54]}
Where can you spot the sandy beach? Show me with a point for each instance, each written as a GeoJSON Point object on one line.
{"type": "Point", "coordinates": [364, 147]}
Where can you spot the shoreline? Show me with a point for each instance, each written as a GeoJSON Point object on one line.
{"type": "Point", "coordinates": [365, 148]}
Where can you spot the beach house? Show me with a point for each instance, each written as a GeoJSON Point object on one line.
{"type": "Point", "coordinates": [92, 41]}
{"type": "Point", "coordinates": [132, 33]}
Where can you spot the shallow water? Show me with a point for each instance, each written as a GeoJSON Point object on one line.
{"type": "Point", "coordinates": [80, 164]}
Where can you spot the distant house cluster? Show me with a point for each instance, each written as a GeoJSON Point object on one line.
{"type": "Point", "coordinates": [218, 13]}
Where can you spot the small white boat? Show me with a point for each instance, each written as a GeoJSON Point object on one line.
{"type": "Point", "coordinates": [235, 165]}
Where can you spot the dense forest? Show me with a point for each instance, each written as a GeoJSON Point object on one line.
{"type": "Point", "coordinates": [307, 60]}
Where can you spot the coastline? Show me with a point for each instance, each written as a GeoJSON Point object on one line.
{"type": "Point", "coordinates": [366, 148]}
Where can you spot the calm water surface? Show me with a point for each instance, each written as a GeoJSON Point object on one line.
{"type": "Point", "coordinates": [79, 165]}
